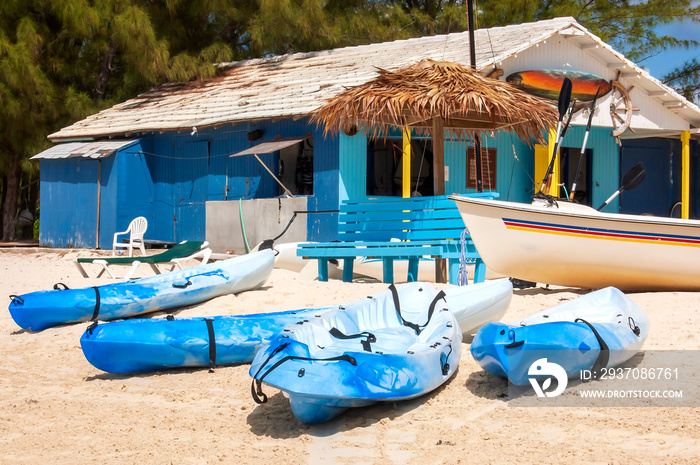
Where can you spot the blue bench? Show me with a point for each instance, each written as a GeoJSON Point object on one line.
{"type": "Point", "coordinates": [397, 229]}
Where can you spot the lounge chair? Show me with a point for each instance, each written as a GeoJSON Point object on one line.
{"type": "Point", "coordinates": [136, 230]}
{"type": "Point", "coordinates": [179, 253]}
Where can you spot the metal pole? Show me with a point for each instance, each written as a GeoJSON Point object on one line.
{"type": "Point", "coordinates": [99, 198]}
{"type": "Point", "coordinates": [472, 62]}
{"type": "Point", "coordinates": [472, 47]}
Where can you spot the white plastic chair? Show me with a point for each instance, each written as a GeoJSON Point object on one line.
{"type": "Point", "coordinates": [136, 230]}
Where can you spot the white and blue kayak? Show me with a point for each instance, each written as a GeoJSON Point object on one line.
{"type": "Point", "coordinates": [138, 345]}
{"type": "Point", "coordinates": [394, 345]}
{"type": "Point", "coordinates": [40, 310]}
{"type": "Point", "coordinates": [599, 330]}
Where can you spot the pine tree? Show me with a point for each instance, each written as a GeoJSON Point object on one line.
{"type": "Point", "coordinates": [61, 60]}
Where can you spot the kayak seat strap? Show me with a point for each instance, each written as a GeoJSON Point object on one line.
{"type": "Point", "coordinates": [370, 338]}
{"type": "Point", "coordinates": [414, 326]}
{"type": "Point", "coordinates": [212, 344]}
{"type": "Point", "coordinates": [604, 355]}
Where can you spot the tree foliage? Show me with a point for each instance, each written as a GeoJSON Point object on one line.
{"type": "Point", "coordinates": [61, 60]}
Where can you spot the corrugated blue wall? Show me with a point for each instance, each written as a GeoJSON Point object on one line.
{"type": "Point", "coordinates": [189, 169]}
{"type": "Point", "coordinates": [68, 202]}
{"type": "Point", "coordinates": [131, 194]}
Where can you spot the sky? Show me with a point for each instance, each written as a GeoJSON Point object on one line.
{"type": "Point", "coordinates": [666, 62]}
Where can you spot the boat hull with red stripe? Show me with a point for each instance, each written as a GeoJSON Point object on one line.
{"type": "Point", "coordinates": [567, 244]}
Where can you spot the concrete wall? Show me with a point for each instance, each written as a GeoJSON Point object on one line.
{"type": "Point", "coordinates": [262, 219]}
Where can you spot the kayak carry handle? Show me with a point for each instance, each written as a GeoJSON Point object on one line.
{"type": "Point", "coordinates": [17, 300]}
{"type": "Point", "coordinates": [514, 344]}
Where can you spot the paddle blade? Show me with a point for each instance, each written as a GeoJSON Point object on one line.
{"type": "Point", "coordinates": [633, 177]}
{"type": "Point", "coordinates": [564, 97]}
{"type": "Point", "coordinates": [630, 180]}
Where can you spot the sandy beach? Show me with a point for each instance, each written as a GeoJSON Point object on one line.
{"type": "Point", "coordinates": [56, 408]}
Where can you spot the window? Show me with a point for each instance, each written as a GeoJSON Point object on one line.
{"type": "Point", "coordinates": [296, 168]}
{"type": "Point", "coordinates": [488, 169]}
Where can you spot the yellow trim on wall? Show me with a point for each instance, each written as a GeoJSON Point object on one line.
{"type": "Point", "coordinates": [543, 155]}
{"type": "Point", "coordinates": [685, 174]}
{"type": "Point", "coordinates": [406, 172]}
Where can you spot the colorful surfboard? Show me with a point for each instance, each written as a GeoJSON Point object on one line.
{"type": "Point", "coordinates": [547, 83]}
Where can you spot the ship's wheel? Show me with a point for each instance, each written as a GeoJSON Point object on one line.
{"type": "Point", "coordinates": [621, 108]}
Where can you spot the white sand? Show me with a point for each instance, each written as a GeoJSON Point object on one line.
{"type": "Point", "coordinates": [56, 408]}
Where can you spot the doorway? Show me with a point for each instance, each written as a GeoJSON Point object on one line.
{"type": "Point", "coordinates": [572, 157]}
{"type": "Point", "coordinates": [385, 167]}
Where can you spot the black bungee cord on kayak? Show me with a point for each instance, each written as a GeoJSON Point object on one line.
{"type": "Point", "coordinates": [414, 326]}
{"type": "Point", "coordinates": [604, 354]}
{"type": "Point", "coordinates": [96, 312]}
{"type": "Point", "coordinates": [256, 387]}
{"type": "Point", "coordinates": [212, 343]}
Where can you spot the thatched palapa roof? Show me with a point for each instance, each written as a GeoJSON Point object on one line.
{"type": "Point", "coordinates": [413, 96]}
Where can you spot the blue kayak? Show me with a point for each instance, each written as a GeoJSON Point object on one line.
{"type": "Point", "coordinates": [40, 310]}
{"type": "Point", "coordinates": [141, 344]}
{"type": "Point", "coordinates": [394, 345]}
{"type": "Point", "coordinates": [599, 330]}
{"type": "Point", "coordinates": [138, 345]}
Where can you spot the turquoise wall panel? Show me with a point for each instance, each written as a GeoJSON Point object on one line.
{"type": "Point", "coordinates": [352, 181]}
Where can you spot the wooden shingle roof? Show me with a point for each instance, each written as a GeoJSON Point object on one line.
{"type": "Point", "coordinates": [295, 85]}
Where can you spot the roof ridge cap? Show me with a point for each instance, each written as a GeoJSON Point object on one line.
{"type": "Point", "coordinates": [338, 50]}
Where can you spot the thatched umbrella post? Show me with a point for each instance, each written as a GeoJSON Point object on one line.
{"type": "Point", "coordinates": [438, 136]}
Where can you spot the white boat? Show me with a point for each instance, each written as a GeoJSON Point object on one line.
{"type": "Point", "coordinates": [568, 244]}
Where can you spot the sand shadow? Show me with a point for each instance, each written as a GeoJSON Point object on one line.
{"type": "Point", "coordinates": [537, 291]}
{"type": "Point", "coordinates": [106, 376]}
{"type": "Point", "coordinates": [487, 386]}
{"type": "Point", "coordinates": [276, 420]}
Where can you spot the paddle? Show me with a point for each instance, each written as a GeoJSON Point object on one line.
{"type": "Point", "coordinates": [583, 147]}
{"type": "Point", "coordinates": [563, 106]}
{"type": "Point", "coordinates": [630, 180]}
{"type": "Point", "coordinates": [557, 145]}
